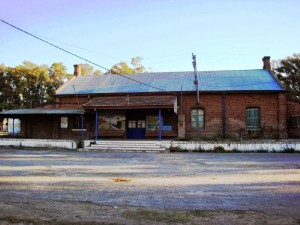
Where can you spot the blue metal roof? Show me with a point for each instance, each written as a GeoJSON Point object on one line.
{"type": "Point", "coordinates": [230, 80]}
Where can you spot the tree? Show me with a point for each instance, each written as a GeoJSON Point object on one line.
{"type": "Point", "coordinates": [29, 65]}
{"type": "Point", "coordinates": [288, 72]}
{"type": "Point", "coordinates": [30, 85]}
{"type": "Point", "coordinates": [137, 64]}
{"type": "Point", "coordinates": [123, 68]}
{"type": "Point", "coordinates": [87, 69]}
{"type": "Point", "coordinates": [97, 72]}
{"type": "Point", "coordinates": [58, 72]}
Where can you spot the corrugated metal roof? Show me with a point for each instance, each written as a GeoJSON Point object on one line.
{"type": "Point", "coordinates": [41, 111]}
{"type": "Point", "coordinates": [128, 102]}
{"type": "Point", "coordinates": [231, 80]}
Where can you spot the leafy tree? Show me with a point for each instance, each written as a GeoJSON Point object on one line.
{"type": "Point", "coordinates": [288, 72]}
{"type": "Point", "coordinates": [30, 85]}
{"type": "Point", "coordinates": [58, 72]}
{"type": "Point", "coordinates": [9, 98]}
{"type": "Point", "coordinates": [97, 72]}
{"type": "Point", "coordinates": [123, 68]}
{"type": "Point", "coordinates": [87, 69]}
{"type": "Point", "coordinates": [29, 65]}
{"type": "Point", "coordinates": [137, 65]}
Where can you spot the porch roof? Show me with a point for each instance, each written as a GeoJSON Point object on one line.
{"type": "Point", "coordinates": [39, 111]}
{"type": "Point", "coordinates": [132, 102]}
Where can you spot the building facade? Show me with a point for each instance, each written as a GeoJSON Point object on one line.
{"type": "Point", "coordinates": [232, 104]}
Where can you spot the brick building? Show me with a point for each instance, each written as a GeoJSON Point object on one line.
{"type": "Point", "coordinates": [232, 104]}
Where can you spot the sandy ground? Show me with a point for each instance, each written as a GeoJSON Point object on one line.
{"type": "Point", "coordinates": [61, 187]}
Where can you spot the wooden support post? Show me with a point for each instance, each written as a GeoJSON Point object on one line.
{"type": "Point", "coordinates": [159, 125]}
{"type": "Point", "coordinates": [96, 127]}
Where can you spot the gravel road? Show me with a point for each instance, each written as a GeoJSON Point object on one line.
{"type": "Point", "coordinates": [63, 187]}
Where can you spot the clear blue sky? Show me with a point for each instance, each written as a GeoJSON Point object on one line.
{"type": "Point", "coordinates": [223, 34]}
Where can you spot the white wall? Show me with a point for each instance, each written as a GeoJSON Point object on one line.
{"type": "Point", "coordinates": [37, 143]}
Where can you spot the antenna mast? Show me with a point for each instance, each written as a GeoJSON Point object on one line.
{"type": "Point", "coordinates": [196, 77]}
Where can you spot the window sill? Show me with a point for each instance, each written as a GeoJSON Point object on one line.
{"type": "Point", "coordinates": [78, 130]}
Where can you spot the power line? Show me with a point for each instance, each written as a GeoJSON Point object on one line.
{"type": "Point", "coordinates": [62, 49]}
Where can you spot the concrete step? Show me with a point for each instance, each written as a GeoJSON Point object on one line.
{"type": "Point", "coordinates": [127, 146]}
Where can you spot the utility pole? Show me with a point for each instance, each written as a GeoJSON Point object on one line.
{"type": "Point", "coordinates": [197, 93]}
{"type": "Point", "coordinates": [196, 77]}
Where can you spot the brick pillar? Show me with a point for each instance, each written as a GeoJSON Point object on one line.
{"type": "Point", "coordinates": [181, 126]}
{"type": "Point", "coordinates": [282, 126]}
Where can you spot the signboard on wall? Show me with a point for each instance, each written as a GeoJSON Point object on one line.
{"type": "Point", "coordinates": [112, 120]}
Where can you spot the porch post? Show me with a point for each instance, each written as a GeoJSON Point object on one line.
{"type": "Point", "coordinates": [13, 127]}
{"type": "Point", "coordinates": [159, 124]}
{"type": "Point", "coordinates": [96, 127]}
{"type": "Point", "coordinates": [82, 122]}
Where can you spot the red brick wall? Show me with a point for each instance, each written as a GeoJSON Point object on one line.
{"type": "Point", "coordinates": [293, 109]}
{"type": "Point", "coordinates": [212, 104]}
{"type": "Point", "coordinates": [272, 110]}
{"type": "Point", "coordinates": [272, 114]}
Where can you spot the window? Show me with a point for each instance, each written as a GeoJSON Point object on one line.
{"type": "Point", "coordinates": [295, 121]}
{"type": "Point", "coordinates": [197, 118]}
{"type": "Point", "coordinates": [64, 122]}
{"type": "Point", "coordinates": [253, 118]}
{"type": "Point", "coordinates": [14, 126]}
{"type": "Point", "coordinates": [131, 124]}
{"type": "Point", "coordinates": [141, 124]}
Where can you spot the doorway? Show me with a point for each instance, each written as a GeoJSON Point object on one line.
{"type": "Point", "coordinates": [136, 124]}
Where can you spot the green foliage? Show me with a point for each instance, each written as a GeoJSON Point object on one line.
{"type": "Point", "coordinates": [219, 149]}
{"type": "Point", "coordinates": [123, 68]}
{"type": "Point", "coordinates": [87, 69]}
{"type": "Point", "coordinates": [288, 150]}
{"type": "Point", "coordinates": [97, 72]}
{"type": "Point", "coordinates": [173, 148]}
{"type": "Point", "coordinates": [30, 85]}
{"type": "Point", "coordinates": [137, 65]}
{"type": "Point", "coordinates": [288, 72]}
{"type": "Point", "coordinates": [79, 144]}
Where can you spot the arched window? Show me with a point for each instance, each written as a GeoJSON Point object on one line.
{"type": "Point", "coordinates": [197, 118]}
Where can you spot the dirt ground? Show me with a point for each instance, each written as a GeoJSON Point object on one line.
{"type": "Point", "coordinates": [68, 187]}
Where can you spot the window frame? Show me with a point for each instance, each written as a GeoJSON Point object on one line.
{"type": "Point", "coordinates": [253, 119]}
{"type": "Point", "coordinates": [64, 122]}
{"type": "Point", "coordinates": [295, 121]}
{"type": "Point", "coordinates": [194, 123]}
{"type": "Point", "coordinates": [132, 124]}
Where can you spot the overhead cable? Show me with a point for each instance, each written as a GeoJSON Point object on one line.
{"type": "Point", "coordinates": [62, 49]}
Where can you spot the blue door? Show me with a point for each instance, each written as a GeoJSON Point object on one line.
{"type": "Point", "coordinates": [136, 129]}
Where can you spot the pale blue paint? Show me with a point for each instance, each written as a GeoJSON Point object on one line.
{"type": "Point", "coordinates": [231, 80]}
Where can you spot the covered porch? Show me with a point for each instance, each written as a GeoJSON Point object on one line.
{"type": "Point", "coordinates": [42, 123]}
{"type": "Point", "coordinates": [134, 117]}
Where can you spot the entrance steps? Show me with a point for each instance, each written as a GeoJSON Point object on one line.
{"type": "Point", "coordinates": [127, 146]}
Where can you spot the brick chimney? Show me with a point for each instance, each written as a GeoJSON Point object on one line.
{"type": "Point", "coordinates": [77, 70]}
{"type": "Point", "coordinates": [266, 61]}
